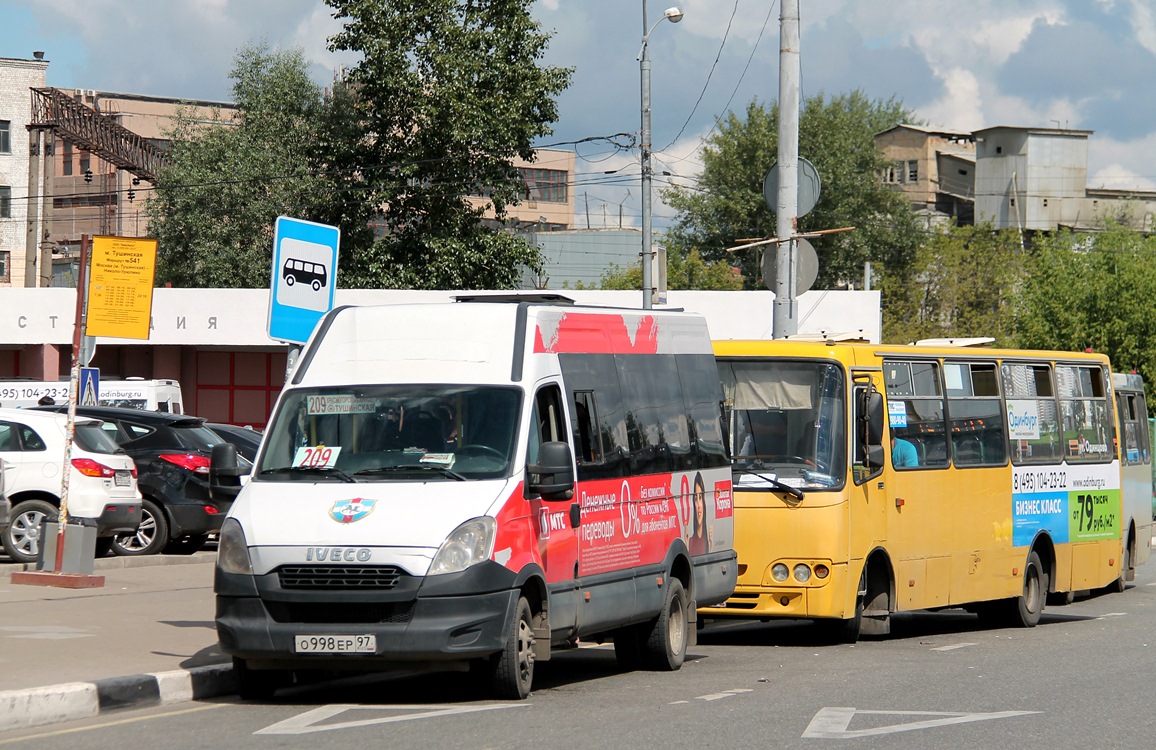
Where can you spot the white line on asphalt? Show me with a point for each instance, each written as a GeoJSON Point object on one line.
{"type": "Point", "coordinates": [953, 646]}
{"type": "Point", "coordinates": [1112, 614]}
{"type": "Point", "coordinates": [104, 724]}
{"type": "Point", "coordinates": [309, 721]}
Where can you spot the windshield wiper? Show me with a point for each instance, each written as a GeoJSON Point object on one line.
{"type": "Point", "coordinates": [411, 467]}
{"type": "Point", "coordinates": [322, 470]}
{"type": "Point", "coordinates": [794, 492]}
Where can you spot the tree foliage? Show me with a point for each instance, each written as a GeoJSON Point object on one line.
{"type": "Point", "coordinates": [683, 271]}
{"type": "Point", "coordinates": [962, 283]}
{"type": "Point", "coordinates": [1094, 291]}
{"type": "Point", "coordinates": [226, 181]}
{"type": "Point", "coordinates": [837, 136]}
{"type": "Point", "coordinates": [448, 94]}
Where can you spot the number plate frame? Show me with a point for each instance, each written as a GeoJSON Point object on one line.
{"type": "Point", "coordinates": [335, 643]}
{"type": "Point", "coordinates": [122, 478]}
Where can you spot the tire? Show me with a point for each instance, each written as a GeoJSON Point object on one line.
{"type": "Point", "coordinates": [257, 684]}
{"type": "Point", "coordinates": [21, 539]}
{"type": "Point", "coordinates": [628, 648]}
{"type": "Point", "coordinates": [849, 630]}
{"type": "Point", "coordinates": [1121, 583]}
{"type": "Point", "coordinates": [513, 669]}
{"type": "Point", "coordinates": [1024, 610]}
{"type": "Point", "coordinates": [664, 643]}
{"type": "Point", "coordinates": [150, 537]}
{"type": "Point", "coordinates": [186, 545]}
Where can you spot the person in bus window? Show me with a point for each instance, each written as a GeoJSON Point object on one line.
{"type": "Point", "coordinates": [903, 453]}
{"type": "Point", "coordinates": [701, 536]}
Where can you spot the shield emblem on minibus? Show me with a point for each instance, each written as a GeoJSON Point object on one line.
{"type": "Point", "coordinates": [355, 509]}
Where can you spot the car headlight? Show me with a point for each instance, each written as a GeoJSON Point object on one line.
{"type": "Point", "coordinates": [469, 544]}
{"type": "Point", "coordinates": [232, 550]}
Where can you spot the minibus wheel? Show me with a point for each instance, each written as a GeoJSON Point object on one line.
{"type": "Point", "coordinates": [1117, 586]}
{"type": "Point", "coordinates": [1025, 609]}
{"type": "Point", "coordinates": [513, 667]}
{"type": "Point", "coordinates": [664, 648]}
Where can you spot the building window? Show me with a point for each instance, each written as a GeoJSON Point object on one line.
{"type": "Point", "coordinates": [5, 202]}
{"type": "Point", "coordinates": [85, 161]}
{"type": "Point", "coordinates": [5, 137]}
{"type": "Point", "coordinates": [545, 184]}
{"type": "Point", "coordinates": [913, 171]}
{"type": "Point", "coordinates": [5, 261]}
{"type": "Point", "coordinates": [66, 160]}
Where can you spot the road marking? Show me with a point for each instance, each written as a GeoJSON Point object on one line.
{"type": "Point", "coordinates": [118, 722]}
{"type": "Point", "coordinates": [832, 723]}
{"type": "Point", "coordinates": [44, 632]}
{"type": "Point", "coordinates": [307, 722]}
{"type": "Point", "coordinates": [1112, 614]}
{"type": "Point", "coordinates": [952, 647]}
{"type": "Point", "coordinates": [724, 694]}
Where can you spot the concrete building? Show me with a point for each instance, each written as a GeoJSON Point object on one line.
{"type": "Point", "coordinates": [935, 169]}
{"type": "Point", "coordinates": [16, 78]}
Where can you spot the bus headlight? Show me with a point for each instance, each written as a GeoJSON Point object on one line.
{"type": "Point", "coordinates": [780, 572]}
{"type": "Point", "coordinates": [232, 549]}
{"type": "Point", "coordinates": [802, 573]}
{"type": "Point", "coordinates": [468, 544]}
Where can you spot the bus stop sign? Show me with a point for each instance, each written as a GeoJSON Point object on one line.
{"type": "Point", "coordinates": [304, 277]}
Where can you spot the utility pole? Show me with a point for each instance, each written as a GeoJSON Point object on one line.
{"type": "Point", "coordinates": [785, 320]}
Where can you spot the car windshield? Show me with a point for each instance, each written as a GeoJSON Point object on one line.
{"type": "Point", "coordinates": [392, 433]}
{"type": "Point", "coordinates": [786, 422]}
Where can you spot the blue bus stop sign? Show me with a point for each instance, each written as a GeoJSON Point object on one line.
{"type": "Point", "coordinates": [304, 277]}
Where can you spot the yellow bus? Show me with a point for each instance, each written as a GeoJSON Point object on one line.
{"type": "Point", "coordinates": [872, 479]}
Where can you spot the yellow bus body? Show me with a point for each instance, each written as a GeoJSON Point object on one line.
{"type": "Point", "coordinates": [951, 535]}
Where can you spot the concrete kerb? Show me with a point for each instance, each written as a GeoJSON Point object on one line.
{"type": "Point", "coordinates": [117, 562]}
{"type": "Point", "coordinates": [21, 709]}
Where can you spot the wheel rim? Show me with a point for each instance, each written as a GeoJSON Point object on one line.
{"type": "Point", "coordinates": [525, 651]}
{"type": "Point", "coordinates": [144, 536]}
{"type": "Point", "coordinates": [676, 626]}
{"type": "Point", "coordinates": [25, 532]}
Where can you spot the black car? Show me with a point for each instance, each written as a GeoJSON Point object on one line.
{"type": "Point", "coordinates": [178, 511]}
{"type": "Point", "coordinates": [246, 439]}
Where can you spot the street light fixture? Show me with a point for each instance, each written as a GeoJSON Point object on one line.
{"type": "Point", "coordinates": [674, 15]}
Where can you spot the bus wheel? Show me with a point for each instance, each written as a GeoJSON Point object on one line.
{"type": "Point", "coordinates": [513, 667]}
{"type": "Point", "coordinates": [1117, 586]}
{"type": "Point", "coordinates": [1025, 609]}
{"type": "Point", "coordinates": [664, 647]}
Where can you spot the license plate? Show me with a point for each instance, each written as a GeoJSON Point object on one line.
{"type": "Point", "coordinates": [335, 644]}
{"type": "Point", "coordinates": [122, 479]}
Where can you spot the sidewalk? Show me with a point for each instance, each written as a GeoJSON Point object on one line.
{"type": "Point", "coordinates": [146, 637]}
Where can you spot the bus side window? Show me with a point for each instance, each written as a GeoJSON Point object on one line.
{"type": "Point", "coordinates": [589, 448]}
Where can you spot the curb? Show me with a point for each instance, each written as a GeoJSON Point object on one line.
{"type": "Point", "coordinates": [21, 709]}
{"type": "Point", "coordinates": [118, 563]}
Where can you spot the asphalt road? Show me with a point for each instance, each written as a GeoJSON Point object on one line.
{"type": "Point", "coordinates": [1082, 679]}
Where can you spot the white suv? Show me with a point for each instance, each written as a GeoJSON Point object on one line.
{"type": "Point", "coordinates": [102, 485]}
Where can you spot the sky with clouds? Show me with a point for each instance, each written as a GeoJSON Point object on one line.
{"type": "Point", "coordinates": [1081, 64]}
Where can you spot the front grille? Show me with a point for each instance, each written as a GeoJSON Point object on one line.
{"type": "Point", "coordinates": [338, 577]}
{"type": "Point", "coordinates": [337, 613]}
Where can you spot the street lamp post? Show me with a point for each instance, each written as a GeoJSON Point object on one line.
{"type": "Point", "coordinates": [674, 15]}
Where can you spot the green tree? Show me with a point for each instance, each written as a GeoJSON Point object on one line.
{"type": "Point", "coordinates": [837, 136]}
{"type": "Point", "coordinates": [226, 181]}
{"type": "Point", "coordinates": [961, 283]}
{"type": "Point", "coordinates": [683, 271]}
{"type": "Point", "coordinates": [1094, 291]}
{"type": "Point", "coordinates": [447, 94]}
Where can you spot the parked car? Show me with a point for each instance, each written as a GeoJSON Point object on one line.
{"type": "Point", "coordinates": [102, 483]}
{"type": "Point", "coordinates": [178, 510]}
{"type": "Point", "coordinates": [246, 439]}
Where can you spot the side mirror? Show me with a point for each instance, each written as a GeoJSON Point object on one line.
{"type": "Point", "coordinates": [553, 476]}
{"type": "Point", "coordinates": [875, 457]}
{"type": "Point", "coordinates": [875, 418]}
{"type": "Point", "coordinates": [225, 471]}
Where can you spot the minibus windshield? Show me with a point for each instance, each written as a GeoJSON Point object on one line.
{"type": "Point", "coordinates": [385, 433]}
{"type": "Point", "coordinates": [786, 423]}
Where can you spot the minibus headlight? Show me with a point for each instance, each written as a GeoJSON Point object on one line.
{"type": "Point", "coordinates": [469, 544]}
{"type": "Point", "coordinates": [802, 573]}
{"type": "Point", "coordinates": [232, 550]}
{"type": "Point", "coordinates": [780, 572]}
{"type": "Point", "coordinates": [822, 571]}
